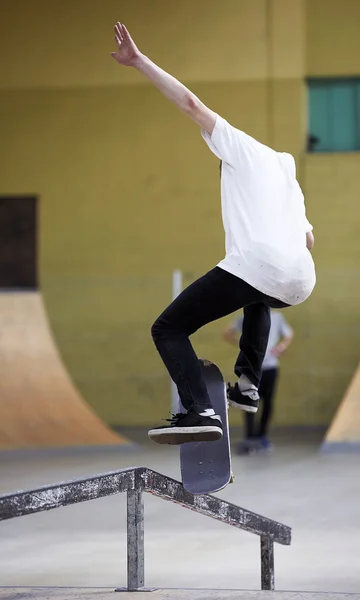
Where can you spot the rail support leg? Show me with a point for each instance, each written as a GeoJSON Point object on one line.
{"type": "Point", "coordinates": [267, 563]}
{"type": "Point", "coordinates": [135, 540]}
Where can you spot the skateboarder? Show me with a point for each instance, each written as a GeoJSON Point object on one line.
{"type": "Point", "coordinates": [267, 262]}
{"type": "Point", "coordinates": [280, 338]}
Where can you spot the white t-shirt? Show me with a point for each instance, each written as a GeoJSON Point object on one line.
{"type": "Point", "coordinates": [264, 216]}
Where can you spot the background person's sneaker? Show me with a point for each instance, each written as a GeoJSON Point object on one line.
{"type": "Point", "coordinates": [254, 445]}
{"type": "Point", "coordinates": [248, 446]}
{"type": "Point", "coordinates": [189, 427]}
{"type": "Point", "coordinates": [242, 448]}
{"type": "Point", "coordinates": [265, 444]}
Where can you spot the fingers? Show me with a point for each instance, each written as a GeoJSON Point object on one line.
{"type": "Point", "coordinates": [121, 33]}
{"type": "Point", "coordinates": [117, 30]}
{"type": "Point", "coordinates": [118, 35]}
{"type": "Point", "coordinates": [124, 32]}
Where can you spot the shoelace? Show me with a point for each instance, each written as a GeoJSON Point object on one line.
{"type": "Point", "coordinates": [174, 418]}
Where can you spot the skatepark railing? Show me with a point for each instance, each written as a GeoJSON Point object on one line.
{"type": "Point", "coordinates": [135, 481]}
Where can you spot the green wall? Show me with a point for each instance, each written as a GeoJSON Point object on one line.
{"type": "Point", "coordinates": [128, 190]}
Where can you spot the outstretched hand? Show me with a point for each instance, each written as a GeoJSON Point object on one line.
{"type": "Point", "coordinates": [127, 51]}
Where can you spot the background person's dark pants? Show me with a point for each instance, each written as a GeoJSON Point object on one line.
{"type": "Point", "coordinates": [266, 392]}
{"type": "Point", "coordinates": [215, 295]}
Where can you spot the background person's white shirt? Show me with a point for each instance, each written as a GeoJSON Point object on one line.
{"type": "Point", "coordinates": [279, 328]}
{"type": "Point", "coordinates": [263, 214]}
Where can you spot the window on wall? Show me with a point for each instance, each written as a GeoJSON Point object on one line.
{"type": "Point", "coordinates": [334, 115]}
{"type": "Point", "coordinates": [18, 242]}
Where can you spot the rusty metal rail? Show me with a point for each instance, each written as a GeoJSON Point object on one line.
{"type": "Point", "coordinates": [135, 481]}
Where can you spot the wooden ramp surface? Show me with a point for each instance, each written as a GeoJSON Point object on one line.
{"type": "Point", "coordinates": [39, 405]}
{"type": "Point", "coordinates": [344, 432]}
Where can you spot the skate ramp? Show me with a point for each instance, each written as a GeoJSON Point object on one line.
{"type": "Point", "coordinates": [39, 405]}
{"type": "Point", "coordinates": [344, 432]}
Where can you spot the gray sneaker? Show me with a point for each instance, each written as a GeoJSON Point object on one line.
{"type": "Point", "coordinates": [247, 400]}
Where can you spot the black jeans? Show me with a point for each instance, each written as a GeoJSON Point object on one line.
{"type": "Point", "coordinates": [215, 295]}
{"type": "Point", "coordinates": [266, 393]}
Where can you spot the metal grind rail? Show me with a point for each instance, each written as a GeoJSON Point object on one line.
{"type": "Point", "coordinates": [135, 481]}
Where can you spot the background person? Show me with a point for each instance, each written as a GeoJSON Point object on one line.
{"type": "Point", "coordinates": [280, 338]}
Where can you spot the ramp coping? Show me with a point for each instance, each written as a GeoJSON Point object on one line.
{"type": "Point", "coordinates": [135, 481]}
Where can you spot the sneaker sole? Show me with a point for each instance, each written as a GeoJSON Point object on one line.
{"type": "Point", "coordinates": [179, 435]}
{"type": "Point", "coordinates": [245, 407]}
{"type": "Point", "coordinates": [269, 449]}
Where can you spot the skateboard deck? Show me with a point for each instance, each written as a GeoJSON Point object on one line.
{"type": "Point", "coordinates": [206, 466]}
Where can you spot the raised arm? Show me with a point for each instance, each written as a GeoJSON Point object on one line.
{"type": "Point", "coordinates": [129, 55]}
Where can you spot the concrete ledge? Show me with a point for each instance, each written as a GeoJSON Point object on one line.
{"type": "Point", "coordinates": [64, 593]}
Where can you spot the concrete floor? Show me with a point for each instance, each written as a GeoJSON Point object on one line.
{"type": "Point", "coordinates": [170, 594]}
{"type": "Point", "coordinates": [85, 545]}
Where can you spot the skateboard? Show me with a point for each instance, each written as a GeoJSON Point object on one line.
{"type": "Point", "coordinates": [206, 466]}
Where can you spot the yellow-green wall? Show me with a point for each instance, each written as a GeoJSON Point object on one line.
{"type": "Point", "coordinates": [332, 38]}
{"type": "Point", "coordinates": [48, 44]}
{"type": "Point", "coordinates": [128, 190]}
{"type": "Point", "coordinates": [332, 186]}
